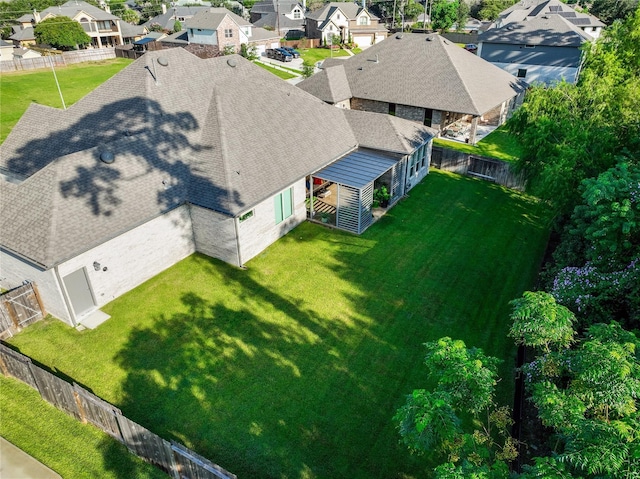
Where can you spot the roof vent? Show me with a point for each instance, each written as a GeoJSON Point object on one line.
{"type": "Point", "coordinates": [107, 157]}
{"type": "Point", "coordinates": [429, 39]}
{"type": "Point", "coordinates": [164, 61]}
{"type": "Point", "coordinates": [399, 36]}
{"type": "Point", "coordinates": [232, 62]}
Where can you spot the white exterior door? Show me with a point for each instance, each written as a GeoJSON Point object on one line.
{"type": "Point", "coordinates": [77, 286]}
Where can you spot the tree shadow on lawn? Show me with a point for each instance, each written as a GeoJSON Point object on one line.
{"type": "Point", "coordinates": [260, 397]}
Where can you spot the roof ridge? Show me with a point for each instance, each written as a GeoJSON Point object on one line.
{"type": "Point", "coordinates": [460, 77]}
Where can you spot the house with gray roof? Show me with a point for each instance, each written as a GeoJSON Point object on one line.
{"type": "Point", "coordinates": [349, 21]}
{"type": "Point", "coordinates": [167, 19]}
{"type": "Point", "coordinates": [222, 29]}
{"type": "Point", "coordinates": [103, 27]}
{"type": "Point", "coordinates": [175, 155]}
{"type": "Point", "coordinates": [284, 16]}
{"type": "Point", "coordinates": [544, 49]}
{"type": "Point", "coordinates": [423, 78]}
{"type": "Point", "coordinates": [526, 10]}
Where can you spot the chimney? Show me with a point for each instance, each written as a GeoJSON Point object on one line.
{"type": "Point", "coordinates": [364, 7]}
{"type": "Point", "coordinates": [164, 8]}
{"type": "Point", "coordinates": [36, 16]}
{"type": "Point", "coordinates": [304, 6]}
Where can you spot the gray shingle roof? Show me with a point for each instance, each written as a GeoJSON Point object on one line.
{"type": "Point", "coordinates": [74, 7]}
{"type": "Point", "coordinates": [350, 9]}
{"type": "Point", "coordinates": [20, 34]}
{"type": "Point", "coordinates": [552, 30]}
{"type": "Point", "coordinates": [330, 85]}
{"type": "Point", "coordinates": [211, 19]}
{"type": "Point", "coordinates": [428, 71]}
{"type": "Point", "coordinates": [197, 131]}
{"type": "Point", "coordinates": [529, 9]}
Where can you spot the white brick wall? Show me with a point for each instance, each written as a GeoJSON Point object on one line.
{"type": "Point", "coordinates": [214, 234]}
{"type": "Point", "coordinates": [135, 256]}
{"type": "Point", "coordinates": [259, 231]}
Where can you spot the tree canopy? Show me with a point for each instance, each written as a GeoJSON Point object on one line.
{"type": "Point", "coordinates": [61, 32]}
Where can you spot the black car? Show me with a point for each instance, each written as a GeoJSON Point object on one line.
{"type": "Point", "coordinates": [270, 53]}
{"type": "Point", "coordinates": [295, 53]}
{"type": "Point", "coordinates": [282, 55]}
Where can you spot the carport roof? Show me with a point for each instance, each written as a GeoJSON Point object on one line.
{"type": "Point", "coordinates": [357, 169]}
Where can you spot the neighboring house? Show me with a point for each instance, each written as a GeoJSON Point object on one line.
{"type": "Point", "coordinates": [526, 10]}
{"type": "Point", "coordinates": [222, 28]}
{"type": "Point", "coordinates": [423, 78]}
{"type": "Point", "coordinates": [286, 17]}
{"type": "Point", "coordinates": [349, 21]}
{"type": "Point", "coordinates": [132, 33]}
{"type": "Point", "coordinates": [540, 50]}
{"type": "Point", "coordinates": [169, 16]}
{"type": "Point", "coordinates": [173, 155]}
{"type": "Point", "coordinates": [100, 25]}
{"type": "Point", "coordinates": [20, 53]}
{"type": "Point", "coordinates": [6, 51]}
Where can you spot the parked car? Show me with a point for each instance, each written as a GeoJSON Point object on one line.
{"type": "Point", "coordinates": [295, 53]}
{"type": "Point", "coordinates": [471, 47]}
{"type": "Point", "coordinates": [270, 53]}
{"type": "Point", "coordinates": [283, 55]}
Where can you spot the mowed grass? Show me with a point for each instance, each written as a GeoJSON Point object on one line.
{"type": "Point", "coordinates": [294, 367]}
{"type": "Point", "coordinates": [285, 75]}
{"type": "Point", "coordinates": [499, 144]}
{"type": "Point", "coordinates": [313, 55]}
{"type": "Point", "coordinates": [72, 449]}
{"type": "Point", "coordinates": [19, 89]}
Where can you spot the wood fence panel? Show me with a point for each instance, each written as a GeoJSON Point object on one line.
{"type": "Point", "coordinates": [56, 391]}
{"type": "Point", "coordinates": [147, 445]}
{"type": "Point", "coordinates": [193, 466]}
{"type": "Point", "coordinates": [17, 365]}
{"type": "Point", "coordinates": [19, 308]}
{"type": "Point", "coordinates": [6, 325]}
{"type": "Point", "coordinates": [100, 413]}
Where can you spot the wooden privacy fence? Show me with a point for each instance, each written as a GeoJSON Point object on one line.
{"type": "Point", "coordinates": [58, 60]}
{"type": "Point", "coordinates": [497, 171]}
{"type": "Point", "coordinates": [173, 458]}
{"type": "Point", "coordinates": [19, 308]}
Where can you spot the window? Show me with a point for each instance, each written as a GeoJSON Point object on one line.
{"type": "Point", "coordinates": [104, 25]}
{"type": "Point", "coordinates": [283, 205]}
{"type": "Point", "coordinates": [246, 216]}
{"type": "Point", "coordinates": [392, 109]}
{"type": "Point", "coordinates": [363, 20]}
{"type": "Point", "coordinates": [297, 14]}
{"type": "Point", "coordinates": [428, 116]}
{"type": "Point", "coordinates": [529, 46]}
{"type": "Point", "coordinates": [522, 73]}
{"type": "Point", "coordinates": [228, 33]}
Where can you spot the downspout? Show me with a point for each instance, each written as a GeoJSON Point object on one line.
{"type": "Point", "coordinates": [67, 302]}
{"type": "Point", "coordinates": [235, 225]}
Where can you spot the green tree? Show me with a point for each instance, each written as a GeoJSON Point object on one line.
{"type": "Point", "coordinates": [130, 16]}
{"type": "Point", "coordinates": [538, 321]}
{"type": "Point", "coordinates": [61, 32]}
{"type": "Point", "coordinates": [462, 15]}
{"type": "Point", "coordinates": [490, 9]}
{"type": "Point", "coordinates": [412, 9]}
{"type": "Point", "coordinates": [434, 420]}
{"type": "Point", "coordinates": [610, 10]}
{"type": "Point", "coordinates": [592, 404]}
{"type": "Point", "coordinates": [307, 69]}
{"type": "Point", "coordinates": [443, 14]}
{"type": "Point", "coordinates": [250, 52]}
{"type": "Point", "coordinates": [177, 26]}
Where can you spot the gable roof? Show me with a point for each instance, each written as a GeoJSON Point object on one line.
{"type": "Point", "coordinates": [330, 85]}
{"type": "Point", "coordinates": [529, 9]}
{"type": "Point", "coordinates": [349, 9]}
{"type": "Point", "coordinates": [427, 71]}
{"type": "Point", "coordinates": [553, 30]}
{"type": "Point", "coordinates": [168, 19]}
{"type": "Point", "coordinates": [211, 19]}
{"type": "Point", "coordinates": [274, 6]}
{"type": "Point", "coordinates": [75, 7]}
{"type": "Point", "coordinates": [180, 129]}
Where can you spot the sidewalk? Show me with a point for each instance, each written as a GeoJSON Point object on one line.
{"type": "Point", "coordinates": [17, 464]}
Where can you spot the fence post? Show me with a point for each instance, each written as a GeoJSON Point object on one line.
{"type": "Point", "coordinates": [11, 313]}
{"type": "Point", "coordinates": [38, 299]}
{"type": "Point", "coordinates": [83, 415]}
{"type": "Point", "coordinates": [3, 367]}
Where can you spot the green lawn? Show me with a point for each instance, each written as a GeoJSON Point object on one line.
{"type": "Point", "coordinates": [499, 144]}
{"type": "Point", "coordinates": [277, 72]}
{"type": "Point", "coordinates": [294, 367]}
{"type": "Point", "coordinates": [314, 55]}
{"type": "Point", "coordinates": [72, 449]}
{"type": "Point", "coordinates": [19, 89]}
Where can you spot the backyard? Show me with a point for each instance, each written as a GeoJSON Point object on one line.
{"type": "Point", "coordinates": [294, 367]}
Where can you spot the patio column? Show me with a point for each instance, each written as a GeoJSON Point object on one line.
{"type": "Point", "coordinates": [472, 132]}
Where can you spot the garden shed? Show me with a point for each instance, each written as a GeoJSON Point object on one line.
{"type": "Point", "coordinates": [343, 192]}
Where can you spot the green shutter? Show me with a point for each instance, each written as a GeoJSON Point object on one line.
{"type": "Point", "coordinates": [277, 205]}
{"type": "Point", "coordinates": [287, 202]}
